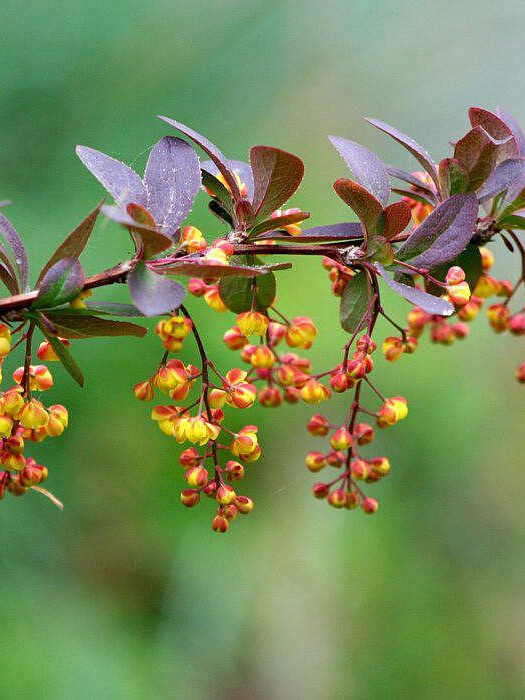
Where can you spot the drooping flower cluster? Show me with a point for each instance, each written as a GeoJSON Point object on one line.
{"type": "Point", "coordinates": [25, 419]}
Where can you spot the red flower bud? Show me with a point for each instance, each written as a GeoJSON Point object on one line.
{"type": "Point", "coordinates": [220, 523]}
{"type": "Point", "coordinates": [338, 498]}
{"type": "Point", "coordinates": [315, 461]}
{"type": "Point", "coordinates": [363, 433]}
{"type": "Point", "coordinates": [370, 505]}
{"type": "Point", "coordinates": [321, 490]}
{"type": "Point", "coordinates": [244, 504]}
{"type": "Point", "coordinates": [318, 425]}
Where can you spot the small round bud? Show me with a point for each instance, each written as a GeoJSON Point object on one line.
{"type": "Point", "coordinates": [321, 490]}
{"type": "Point", "coordinates": [455, 275]}
{"type": "Point", "coordinates": [143, 391]}
{"type": "Point", "coordinates": [363, 433]}
{"type": "Point", "coordinates": [244, 504]}
{"type": "Point", "coordinates": [196, 477]}
{"type": "Point", "coordinates": [370, 505]}
{"type": "Point", "coordinates": [318, 425]}
{"type": "Point", "coordinates": [338, 498]}
{"type": "Point", "coordinates": [189, 497]}
{"type": "Point", "coordinates": [315, 461]}
{"type": "Point", "coordinates": [225, 494]}
{"type": "Point", "coordinates": [220, 523]}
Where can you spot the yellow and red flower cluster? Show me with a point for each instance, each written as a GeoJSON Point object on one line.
{"type": "Point", "coordinates": [24, 419]}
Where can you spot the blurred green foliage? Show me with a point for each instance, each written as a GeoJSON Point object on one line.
{"type": "Point", "coordinates": [126, 594]}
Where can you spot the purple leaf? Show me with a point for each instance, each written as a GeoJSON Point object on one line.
{"type": "Point", "coordinates": [367, 168]}
{"type": "Point", "coordinates": [154, 294]}
{"type": "Point", "coordinates": [198, 268]}
{"type": "Point", "coordinates": [515, 129]}
{"type": "Point", "coordinates": [332, 232]}
{"type": "Point", "coordinates": [239, 167]}
{"type": "Point", "coordinates": [365, 205]}
{"type": "Point", "coordinates": [415, 149]}
{"type": "Point", "coordinates": [121, 216]}
{"type": "Point", "coordinates": [172, 180]}
{"type": "Point", "coordinates": [416, 196]}
{"type": "Point", "coordinates": [412, 180]}
{"type": "Point", "coordinates": [277, 174]}
{"type": "Point", "coordinates": [509, 173]}
{"type": "Point", "coordinates": [443, 234]}
{"type": "Point", "coordinates": [427, 302]}
{"type": "Point", "coordinates": [214, 153]}
{"type": "Point", "coordinates": [61, 283]}
{"type": "Point", "coordinates": [148, 241]}
{"type": "Point", "coordinates": [122, 183]}
{"type": "Point", "coordinates": [75, 243]}
{"type": "Point", "coordinates": [19, 251]}
{"type": "Point", "coordinates": [497, 128]}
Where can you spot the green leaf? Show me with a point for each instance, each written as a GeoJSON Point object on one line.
{"type": "Point", "coordinates": [453, 177]}
{"type": "Point", "coordinates": [221, 193]}
{"type": "Point", "coordinates": [69, 324]}
{"type": "Point", "coordinates": [74, 244]}
{"type": "Point", "coordinates": [354, 302]}
{"type": "Point", "coordinates": [110, 308]}
{"type": "Point", "coordinates": [63, 354]}
{"type": "Point", "coordinates": [512, 221]}
{"type": "Point", "coordinates": [238, 292]}
{"type": "Point", "coordinates": [61, 283]}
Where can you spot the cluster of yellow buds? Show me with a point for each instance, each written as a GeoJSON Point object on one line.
{"type": "Point", "coordinates": [25, 419]}
{"type": "Point", "coordinates": [172, 332]}
{"type": "Point", "coordinates": [339, 275]}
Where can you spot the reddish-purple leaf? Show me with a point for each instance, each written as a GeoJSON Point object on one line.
{"type": "Point", "coordinates": [443, 234]}
{"type": "Point", "coordinates": [366, 166]}
{"type": "Point", "coordinates": [212, 151]}
{"type": "Point", "coordinates": [61, 283]}
{"type": "Point", "coordinates": [75, 243]}
{"type": "Point", "coordinates": [121, 216]}
{"type": "Point", "coordinates": [345, 231]}
{"type": "Point", "coordinates": [416, 196]}
{"type": "Point", "coordinates": [154, 294]}
{"type": "Point", "coordinates": [279, 222]}
{"type": "Point", "coordinates": [172, 180]}
{"type": "Point", "coordinates": [480, 153]}
{"type": "Point", "coordinates": [415, 149]}
{"type": "Point", "coordinates": [427, 302]}
{"type": "Point", "coordinates": [515, 129]}
{"type": "Point", "coordinates": [276, 174]}
{"type": "Point", "coordinates": [509, 175]}
{"type": "Point", "coordinates": [122, 183]}
{"type": "Point", "coordinates": [365, 205]}
{"type": "Point", "coordinates": [13, 240]}
{"type": "Point", "coordinates": [394, 219]}
{"type": "Point", "coordinates": [198, 268]}
{"type": "Point", "coordinates": [237, 167]}
{"type": "Point", "coordinates": [497, 128]}
{"type": "Point", "coordinates": [148, 241]}
{"type": "Point", "coordinates": [77, 326]}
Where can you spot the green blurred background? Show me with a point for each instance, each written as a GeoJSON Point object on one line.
{"type": "Point", "coordinates": [128, 595]}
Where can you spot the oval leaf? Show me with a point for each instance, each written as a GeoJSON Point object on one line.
{"type": "Point", "coordinates": [19, 251]}
{"type": "Point", "coordinates": [394, 219]}
{"type": "Point", "coordinates": [153, 294]}
{"type": "Point", "coordinates": [75, 243]}
{"type": "Point", "coordinates": [276, 174]}
{"type": "Point", "coordinates": [412, 146]}
{"type": "Point", "coordinates": [453, 177]}
{"type": "Point", "coordinates": [506, 176]}
{"type": "Point", "coordinates": [365, 205]}
{"type": "Point", "coordinates": [427, 302]}
{"type": "Point", "coordinates": [213, 152]}
{"type": "Point", "coordinates": [366, 166]}
{"type": "Point", "coordinates": [69, 324]}
{"type": "Point", "coordinates": [238, 292]}
{"type": "Point", "coordinates": [354, 302]}
{"type": "Point", "coordinates": [443, 234]}
{"type": "Point", "coordinates": [497, 128]}
{"type": "Point", "coordinates": [122, 183]}
{"type": "Point", "coordinates": [172, 180]}
{"type": "Point", "coordinates": [61, 283]}
{"type": "Point", "coordinates": [350, 231]}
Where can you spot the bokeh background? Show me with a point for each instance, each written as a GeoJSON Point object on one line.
{"type": "Point", "coordinates": [128, 595]}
